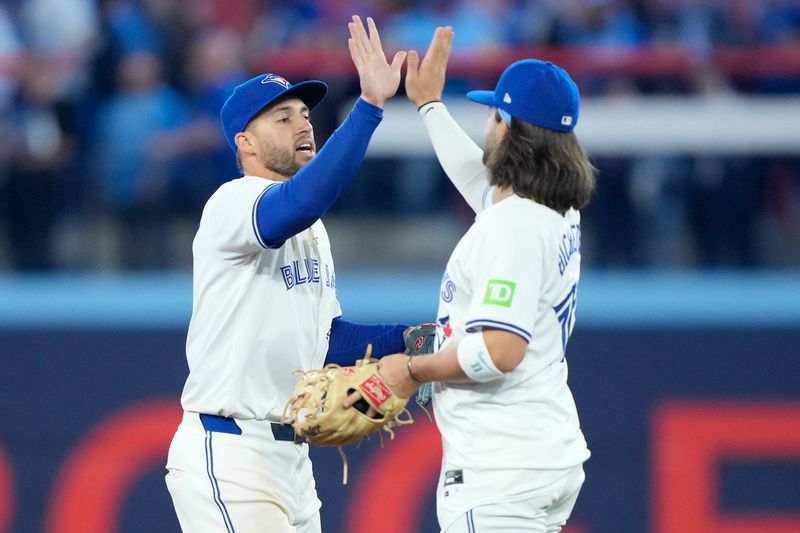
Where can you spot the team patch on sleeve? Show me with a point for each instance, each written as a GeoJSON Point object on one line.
{"type": "Point", "coordinates": [499, 292]}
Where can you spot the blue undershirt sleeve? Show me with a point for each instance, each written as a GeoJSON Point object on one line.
{"type": "Point", "coordinates": [348, 341]}
{"type": "Point", "coordinates": [290, 207]}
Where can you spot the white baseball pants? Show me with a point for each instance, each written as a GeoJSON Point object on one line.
{"type": "Point", "coordinates": [544, 509]}
{"type": "Point", "coordinates": [224, 482]}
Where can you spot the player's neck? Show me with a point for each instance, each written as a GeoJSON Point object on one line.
{"type": "Point", "coordinates": [259, 171]}
{"type": "Point", "coordinates": [501, 194]}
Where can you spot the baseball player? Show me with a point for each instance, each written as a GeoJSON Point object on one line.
{"type": "Point", "coordinates": [512, 445]}
{"type": "Point", "coordinates": [264, 302]}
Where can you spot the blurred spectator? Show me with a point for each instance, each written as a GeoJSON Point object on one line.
{"type": "Point", "coordinates": [65, 30]}
{"type": "Point", "coordinates": [609, 221]}
{"type": "Point", "coordinates": [163, 68]}
{"type": "Point", "coordinates": [282, 23]}
{"type": "Point", "coordinates": [672, 210]}
{"type": "Point", "coordinates": [214, 66]}
{"type": "Point", "coordinates": [598, 22]}
{"type": "Point", "coordinates": [530, 22]}
{"type": "Point", "coordinates": [130, 28]}
{"type": "Point", "coordinates": [477, 24]}
{"type": "Point", "coordinates": [725, 203]}
{"type": "Point", "coordinates": [177, 26]}
{"type": "Point", "coordinates": [781, 22]}
{"type": "Point", "coordinates": [780, 26]}
{"type": "Point", "coordinates": [10, 52]}
{"type": "Point", "coordinates": [725, 196]}
{"type": "Point", "coordinates": [780, 226]}
{"type": "Point", "coordinates": [133, 167]}
{"type": "Point", "coordinates": [735, 23]}
{"type": "Point", "coordinates": [126, 30]}
{"type": "Point", "coordinates": [41, 148]}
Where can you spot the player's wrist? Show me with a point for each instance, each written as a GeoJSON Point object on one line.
{"type": "Point", "coordinates": [377, 102]}
{"type": "Point", "coordinates": [422, 102]}
{"type": "Point", "coordinates": [411, 373]}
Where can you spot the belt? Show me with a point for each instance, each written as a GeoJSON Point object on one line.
{"type": "Point", "coordinates": [224, 424]}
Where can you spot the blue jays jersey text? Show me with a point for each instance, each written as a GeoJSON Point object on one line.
{"type": "Point", "coordinates": [307, 270]}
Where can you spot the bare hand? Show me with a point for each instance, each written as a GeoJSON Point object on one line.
{"type": "Point", "coordinates": [425, 81]}
{"type": "Point", "coordinates": [394, 372]}
{"type": "Point", "coordinates": [379, 79]}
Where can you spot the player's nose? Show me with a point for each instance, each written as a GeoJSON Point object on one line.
{"type": "Point", "coordinates": [304, 124]}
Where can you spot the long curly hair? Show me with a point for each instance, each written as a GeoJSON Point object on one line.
{"type": "Point", "coordinates": [547, 166]}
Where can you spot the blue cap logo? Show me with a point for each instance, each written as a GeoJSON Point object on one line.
{"type": "Point", "coordinates": [274, 78]}
{"type": "Point", "coordinates": [535, 91]}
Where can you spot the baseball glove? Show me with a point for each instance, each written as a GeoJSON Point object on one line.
{"type": "Point", "coordinates": [420, 340]}
{"type": "Point", "coordinates": [316, 412]}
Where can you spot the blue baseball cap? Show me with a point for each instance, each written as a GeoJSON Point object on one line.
{"type": "Point", "coordinates": [248, 99]}
{"type": "Point", "coordinates": [535, 91]}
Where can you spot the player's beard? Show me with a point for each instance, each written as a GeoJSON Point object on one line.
{"type": "Point", "coordinates": [488, 150]}
{"type": "Point", "coordinates": [280, 160]}
{"type": "Point", "coordinates": [486, 155]}
{"type": "Point", "coordinates": [493, 145]}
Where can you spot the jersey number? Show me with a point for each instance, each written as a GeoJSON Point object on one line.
{"type": "Point", "coordinates": [565, 312]}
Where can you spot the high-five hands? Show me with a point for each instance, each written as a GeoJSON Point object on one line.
{"type": "Point", "coordinates": [379, 80]}
{"type": "Point", "coordinates": [425, 80]}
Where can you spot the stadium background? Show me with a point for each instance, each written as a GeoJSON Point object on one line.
{"type": "Point", "coordinates": [684, 363]}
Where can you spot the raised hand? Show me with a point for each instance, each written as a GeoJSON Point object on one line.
{"type": "Point", "coordinates": [379, 80]}
{"type": "Point", "coordinates": [425, 81]}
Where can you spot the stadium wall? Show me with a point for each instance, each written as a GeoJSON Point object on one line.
{"type": "Point", "coordinates": [688, 386]}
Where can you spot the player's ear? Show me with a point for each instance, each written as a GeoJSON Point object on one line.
{"type": "Point", "coordinates": [504, 129]}
{"type": "Point", "coordinates": [243, 141]}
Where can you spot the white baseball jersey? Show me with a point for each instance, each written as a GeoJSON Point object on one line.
{"type": "Point", "coordinates": [515, 439]}
{"type": "Point", "coordinates": [516, 269]}
{"type": "Point", "coordinates": [259, 313]}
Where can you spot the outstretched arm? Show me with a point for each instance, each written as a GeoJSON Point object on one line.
{"type": "Point", "coordinates": [480, 357]}
{"type": "Point", "coordinates": [460, 157]}
{"type": "Point", "coordinates": [348, 341]}
{"type": "Point", "coordinates": [292, 206]}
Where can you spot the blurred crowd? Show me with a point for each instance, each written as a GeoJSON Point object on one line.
{"type": "Point", "coordinates": [110, 144]}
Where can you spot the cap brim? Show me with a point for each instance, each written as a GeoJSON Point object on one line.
{"type": "Point", "coordinates": [311, 92]}
{"type": "Point", "coordinates": [482, 97]}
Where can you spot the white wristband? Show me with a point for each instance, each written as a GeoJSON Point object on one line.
{"type": "Point", "coordinates": [474, 359]}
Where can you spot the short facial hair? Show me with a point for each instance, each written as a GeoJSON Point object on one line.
{"type": "Point", "coordinates": [279, 160]}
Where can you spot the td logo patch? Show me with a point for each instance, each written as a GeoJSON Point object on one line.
{"type": "Point", "coordinates": [499, 292]}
